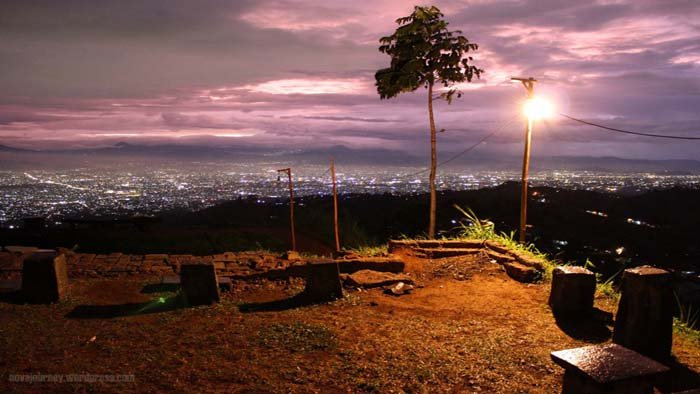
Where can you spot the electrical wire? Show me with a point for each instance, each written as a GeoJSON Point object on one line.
{"type": "Point", "coordinates": [675, 137]}
{"type": "Point", "coordinates": [468, 149]}
{"type": "Point", "coordinates": [318, 175]}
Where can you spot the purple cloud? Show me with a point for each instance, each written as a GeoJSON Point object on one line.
{"type": "Point", "coordinates": [301, 74]}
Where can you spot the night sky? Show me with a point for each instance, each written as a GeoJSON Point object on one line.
{"type": "Point", "coordinates": [301, 74]}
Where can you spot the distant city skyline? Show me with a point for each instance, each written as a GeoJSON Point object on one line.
{"type": "Point", "coordinates": [300, 74]}
{"type": "Point", "coordinates": [137, 189]}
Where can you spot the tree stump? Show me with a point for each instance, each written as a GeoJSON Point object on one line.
{"type": "Point", "coordinates": [44, 277]}
{"type": "Point", "coordinates": [199, 283]}
{"type": "Point", "coordinates": [323, 282]}
{"type": "Point", "coordinates": [572, 291]}
{"type": "Point", "coordinates": [644, 321]}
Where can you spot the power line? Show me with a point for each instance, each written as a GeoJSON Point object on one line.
{"type": "Point", "coordinates": [674, 137]}
{"type": "Point", "coordinates": [317, 175]}
{"type": "Point", "coordinates": [468, 149]}
{"type": "Point", "coordinates": [325, 173]}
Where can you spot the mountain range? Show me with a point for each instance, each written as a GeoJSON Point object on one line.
{"type": "Point", "coordinates": [21, 158]}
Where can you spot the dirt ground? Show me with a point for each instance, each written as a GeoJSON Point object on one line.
{"type": "Point", "coordinates": [467, 327]}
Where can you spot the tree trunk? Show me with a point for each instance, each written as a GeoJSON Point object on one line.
{"type": "Point", "coordinates": [433, 164]}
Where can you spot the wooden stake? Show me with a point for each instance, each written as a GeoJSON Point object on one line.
{"type": "Point", "coordinates": [291, 205]}
{"type": "Point", "coordinates": [335, 207]}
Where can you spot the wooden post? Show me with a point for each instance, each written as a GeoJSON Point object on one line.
{"type": "Point", "coordinates": [335, 207]}
{"type": "Point", "coordinates": [291, 205]}
{"type": "Point", "coordinates": [529, 84]}
{"type": "Point", "coordinates": [524, 191]}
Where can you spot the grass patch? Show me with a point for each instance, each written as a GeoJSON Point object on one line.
{"type": "Point", "coordinates": [685, 324]}
{"type": "Point", "coordinates": [475, 228]}
{"type": "Point", "coordinates": [297, 337]}
{"type": "Point", "coordinates": [370, 251]}
{"type": "Point", "coordinates": [685, 329]}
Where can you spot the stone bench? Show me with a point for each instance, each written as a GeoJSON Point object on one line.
{"type": "Point", "coordinates": [573, 289]}
{"type": "Point", "coordinates": [610, 369]}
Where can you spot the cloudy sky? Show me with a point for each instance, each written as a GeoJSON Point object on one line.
{"type": "Point", "coordinates": [301, 73]}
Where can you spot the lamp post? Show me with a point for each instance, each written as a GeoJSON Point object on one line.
{"type": "Point", "coordinates": [529, 84]}
{"type": "Point", "coordinates": [291, 203]}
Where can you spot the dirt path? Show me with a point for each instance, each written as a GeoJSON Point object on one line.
{"type": "Point", "coordinates": [484, 333]}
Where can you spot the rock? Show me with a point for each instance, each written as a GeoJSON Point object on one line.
{"type": "Point", "coordinates": [382, 264]}
{"type": "Point", "coordinates": [395, 245]}
{"type": "Point", "coordinates": [521, 273]}
{"type": "Point", "coordinates": [225, 257]}
{"type": "Point", "coordinates": [398, 289]}
{"type": "Point", "coordinates": [446, 252]}
{"type": "Point", "coordinates": [199, 283]}
{"type": "Point", "coordinates": [644, 320]}
{"type": "Point", "coordinates": [529, 261]}
{"type": "Point", "coordinates": [21, 249]}
{"type": "Point", "coordinates": [450, 244]}
{"type": "Point", "coordinates": [156, 257]}
{"type": "Point", "coordinates": [497, 247]}
{"type": "Point", "coordinates": [344, 254]}
{"type": "Point", "coordinates": [292, 255]}
{"type": "Point", "coordinates": [87, 259]}
{"type": "Point", "coordinates": [230, 256]}
{"type": "Point", "coordinates": [10, 285]}
{"type": "Point", "coordinates": [225, 284]}
{"type": "Point", "coordinates": [323, 281]}
{"type": "Point", "coordinates": [499, 257]}
{"type": "Point", "coordinates": [170, 280]}
{"type": "Point", "coordinates": [10, 261]}
{"type": "Point", "coordinates": [44, 277]}
{"type": "Point", "coordinates": [572, 291]}
{"type": "Point", "coordinates": [369, 279]}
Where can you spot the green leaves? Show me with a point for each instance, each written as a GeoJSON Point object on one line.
{"type": "Point", "coordinates": [424, 52]}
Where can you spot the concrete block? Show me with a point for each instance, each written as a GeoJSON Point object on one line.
{"type": "Point", "coordinates": [607, 369]}
{"type": "Point", "coordinates": [644, 320]}
{"type": "Point", "coordinates": [200, 284]}
{"type": "Point", "coordinates": [323, 282]}
{"type": "Point", "coordinates": [573, 289]}
{"type": "Point", "coordinates": [44, 277]}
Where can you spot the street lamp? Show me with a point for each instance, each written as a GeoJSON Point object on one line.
{"type": "Point", "coordinates": [535, 108]}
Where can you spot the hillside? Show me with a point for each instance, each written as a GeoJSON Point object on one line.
{"type": "Point", "coordinates": [561, 224]}
{"type": "Point", "coordinates": [466, 326]}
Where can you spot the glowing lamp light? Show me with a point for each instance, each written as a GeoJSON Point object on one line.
{"type": "Point", "coordinates": [538, 108]}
